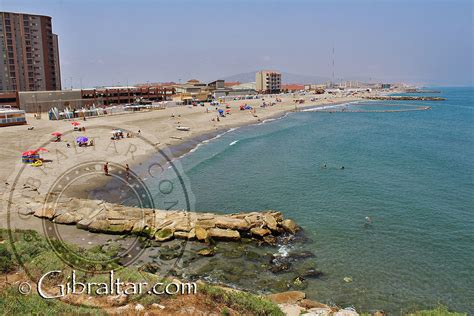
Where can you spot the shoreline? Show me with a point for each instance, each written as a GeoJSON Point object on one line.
{"type": "Point", "coordinates": [186, 146]}
{"type": "Point", "coordinates": [158, 133]}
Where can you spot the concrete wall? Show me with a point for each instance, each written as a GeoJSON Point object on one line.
{"type": "Point", "coordinates": [34, 101]}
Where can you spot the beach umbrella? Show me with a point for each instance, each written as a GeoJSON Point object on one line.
{"type": "Point", "coordinates": [29, 153]}
{"type": "Point", "coordinates": [56, 134]}
{"type": "Point", "coordinates": [227, 111]}
{"type": "Point", "coordinates": [75, 123]}
{"type": "Point", "coordinates": [41, 149]}
{"type": "Point", "coordinates": [82, 139]}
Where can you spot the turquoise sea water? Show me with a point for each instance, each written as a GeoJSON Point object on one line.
{"type": "Point", "coordinates": [410, 172]}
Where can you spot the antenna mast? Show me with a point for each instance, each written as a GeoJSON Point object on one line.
{"type": "Point", "coordinates": [333, 80]}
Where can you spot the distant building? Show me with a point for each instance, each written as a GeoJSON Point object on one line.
{"type": "Point", "coordinates": [385, 85]}
{"type": "Point", "coordinates": [268, 81]}
{"type": "Point", "coordinates": [292, 87]}
{"type": "Point", "coordinates": [29, 53]}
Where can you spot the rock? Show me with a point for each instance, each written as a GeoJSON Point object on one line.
{"type": "Point", "coordinates": [66, 218]}
{"type": "Point", "coordinates": [289, 226]}
{"type": "Point", "coordinates": [280, 267]}
{"type": "Point", "coordinates": [45, 212]}
{"type": "Point", "coordinates": [308, 304]}
{"type": "Point", "coordinates": [151, 267]}
{"type": "Point", "coordinates": [224, 234]}
{"type": "Point", "coordinates": [311, 273]}
{"type": "Point", "coordinates": [201, 233]}
{"type": "Point", "coordinates": [139, 307]}
{"type": "Point", "coordinates": [207, 252]}
{"type": "Point", "coordinates": [348, 279]}
{"type": "Point", "coordinates": [97, 226]}
{"type": "Point", "coordinates": [231, 223]}
{"type": "Point", "coordinates": [271, 222]}
{"type": "Point", "coordinates": [290, 309]}
{"type": "Point", "coordinates": [318, 312]}
{"type": "Point", "coordinates": [271, 240]}
{"type": "Point", "coordinates": [260, 232]}
{"type": "Point", "coordinates": [301, 255]}
{"type": "Point", "coordinates": [346, 312]}
{"type": "Point", "coordinates": [167, 254]}
{"type": "Point", "coordinates": [185, 235]}
{"type": "Point", "coordinates": [164, 234]}
{"type": "Point", "coordinates": [289, 297]}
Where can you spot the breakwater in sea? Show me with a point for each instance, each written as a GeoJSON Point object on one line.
{"type": "Point", "coordinates": [163, 225]}
{"type": "Point", "coordinates": [404, 98]}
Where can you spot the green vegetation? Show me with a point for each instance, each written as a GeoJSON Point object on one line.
{"type": "Point", "coordinates": [13, 303]}
{"type": "Point", "coordinates": [38, 257]}
{"type": "Point", "coordinates": [241, 301]}
{"type": "Point", "coordinates": [438, 311]}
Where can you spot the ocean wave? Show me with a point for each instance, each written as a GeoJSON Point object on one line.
{"type": "Point", "coordinates": [234, 142]}
{"type": "Point", "coordinates": [332, 106]}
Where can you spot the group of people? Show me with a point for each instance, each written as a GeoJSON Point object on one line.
{"type": "Point", "coordinates": [119, 135]}
{"type": "Point", "coordinates": [106, 169]}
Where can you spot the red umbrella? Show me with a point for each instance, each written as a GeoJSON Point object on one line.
{"type": "Point", "coordinates": [41, 149]}
{"type": "Point", "coordinates": [75, 123]}
{"type": "Point", "coordinates": [227, 111]}
{"type": "Point", "coordinates": [29, 153]}
{"type": "Point", "coordinates": [56, 134]}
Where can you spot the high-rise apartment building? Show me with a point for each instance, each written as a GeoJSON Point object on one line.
{"type": "Point", "coordinates": [29, 53]}
{"type": "Point", "coordinates": [268, 81]}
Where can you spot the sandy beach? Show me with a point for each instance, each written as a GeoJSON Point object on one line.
{"type": "Point", "coordinates": [154, 133]}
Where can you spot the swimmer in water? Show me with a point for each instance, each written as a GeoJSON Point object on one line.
{"type": "Point", "coordinates": [342, 168]}
{"type": "Point", "coordinates": [368, 222]}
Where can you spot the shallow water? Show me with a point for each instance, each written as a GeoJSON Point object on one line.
{"type": "Point", "coordinates": [410, 172]}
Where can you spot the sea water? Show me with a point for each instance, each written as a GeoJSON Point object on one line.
{"type": "Point", "coordinates": [410, 173]}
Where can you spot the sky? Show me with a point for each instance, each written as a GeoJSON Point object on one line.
{"type": "Point", "coordinates": [118, 42]}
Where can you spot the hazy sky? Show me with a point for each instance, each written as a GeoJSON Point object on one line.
{"type": "Point", "coordinates": [109, 42]}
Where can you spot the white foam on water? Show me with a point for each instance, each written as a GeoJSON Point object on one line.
{"type": "Point", "coordinates": [234, 142]}
{"type": "Point", "coordinates": [283, 251]}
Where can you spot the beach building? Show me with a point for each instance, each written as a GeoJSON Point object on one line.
{"type": "Point", "coordinates": [10, 116]}
{"type": "Point", "coordinates": [268, 81]}
{"type": "Point", "coordinates": [292, 87]}
{"type": "Point", "coordinates": [29, 53]}
{"type": "Point", "coordinates": [42, 101]}
{"type": "Point", "coordinates": [127, 94]}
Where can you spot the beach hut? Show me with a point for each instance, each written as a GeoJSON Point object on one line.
{"type": "Point", "coordinates": [10, 116]}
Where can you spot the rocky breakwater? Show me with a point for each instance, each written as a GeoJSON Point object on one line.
{"type": "Point", "coordinates": [161, 225]}
{"type": "Point", "coordinates": [404, 98]}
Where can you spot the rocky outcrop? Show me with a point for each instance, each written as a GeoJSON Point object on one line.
{"type": "Point", "coordinates": [295, 303]}
{"type": "Point", "coordinates": [290, 297]}
{"type": "Point", "coordinates": [102, 217]}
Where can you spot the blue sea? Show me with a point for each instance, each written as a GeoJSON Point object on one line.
{"type": "Point", "coordinates": [410, 172]}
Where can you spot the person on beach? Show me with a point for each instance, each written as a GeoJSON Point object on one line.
{"type": "Point", "coordinates": [127, 170]}
{"type": "Point", "coordinates": [106, 168]}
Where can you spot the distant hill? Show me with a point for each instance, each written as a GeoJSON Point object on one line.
{"type": "Point", "coordinates": [286, 78]}
{"type": "Point", "coordinates": [294, 78]}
